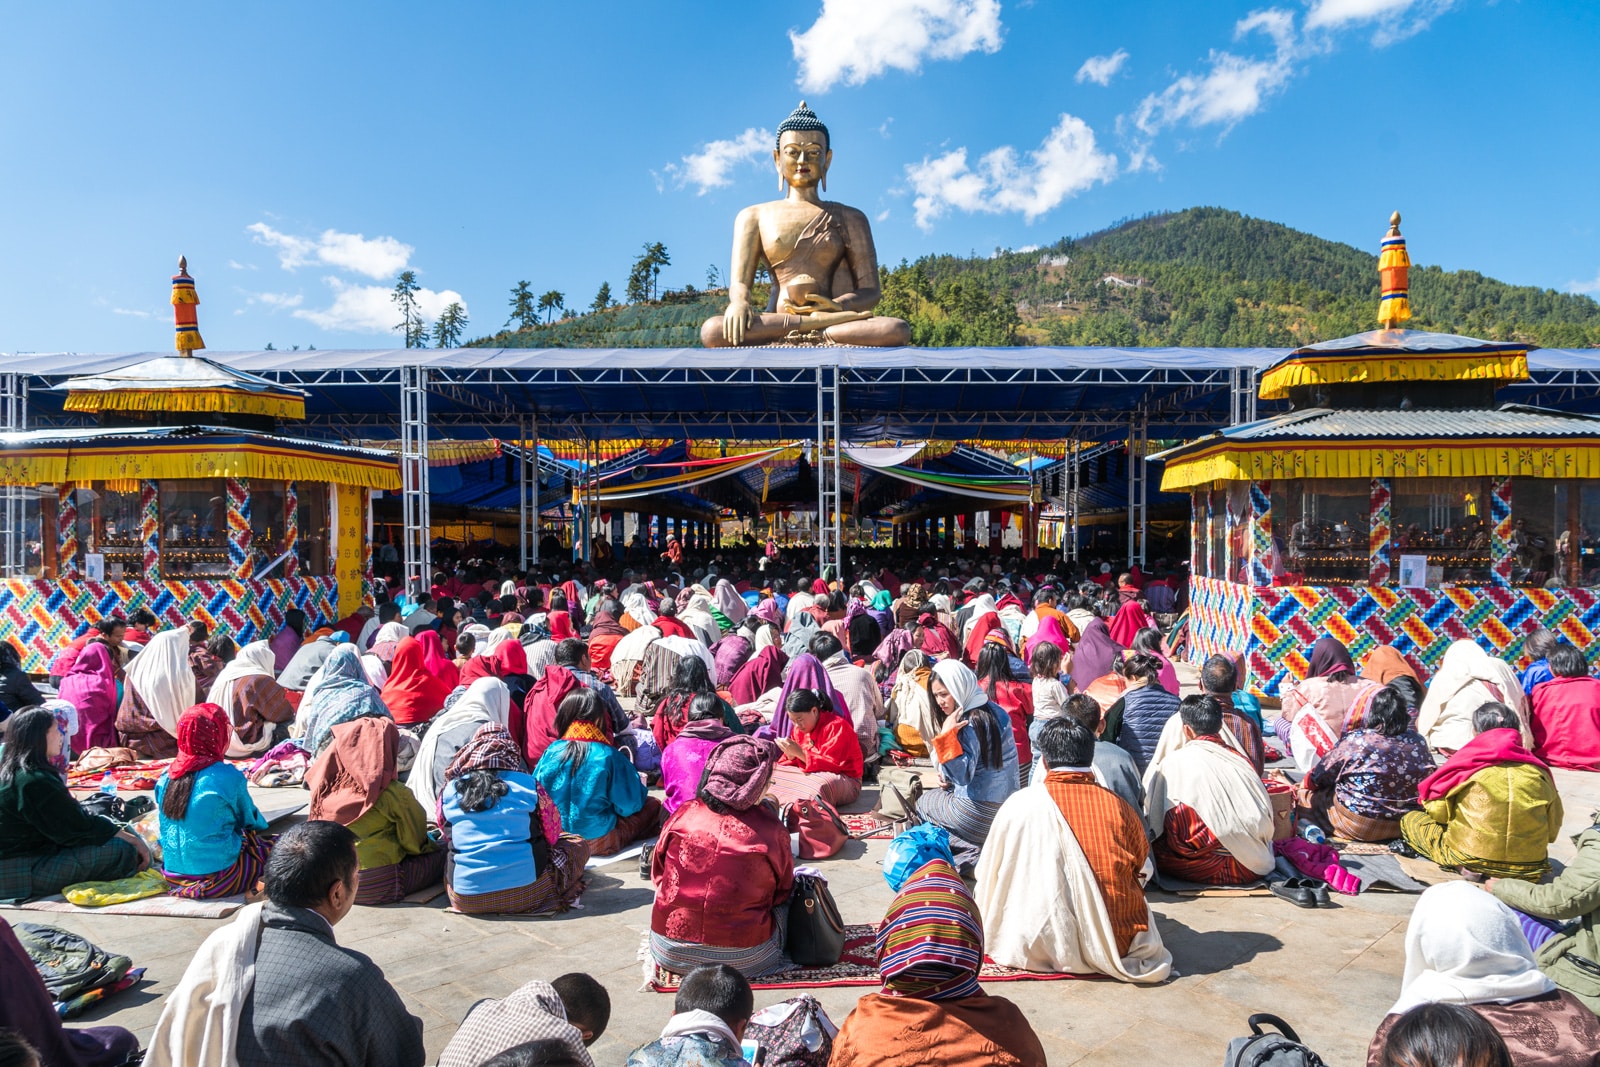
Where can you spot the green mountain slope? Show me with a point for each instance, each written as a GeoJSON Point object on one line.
{"type": "Point", "coordinates": [1202, 277]}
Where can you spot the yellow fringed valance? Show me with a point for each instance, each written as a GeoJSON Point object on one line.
{"type": "Point", "coordinates": [1507, 366]}
{"type": "Point", "coordinates": [231, 401]}
{"type": "Point", "coordinates": [195, 459]}
{"type": "Point", "coordinates": [1271, 461]}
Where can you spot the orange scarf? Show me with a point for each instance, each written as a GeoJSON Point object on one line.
{"type": "Point", "coordinates": [585, 731]}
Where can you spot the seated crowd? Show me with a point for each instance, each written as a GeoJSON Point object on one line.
{"type": "Point", "coordinates": [479, 734]}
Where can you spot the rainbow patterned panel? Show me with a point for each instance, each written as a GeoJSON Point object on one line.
{"type": "Point", "coordinates": [150, 529]}
{"type": "Point", "coordinates": [1260, 532]}
{"type": "Point", "coordinates": [40, 616]}
{"type": "Point", "coordinates": [1275, 627]}
{"type": "Point", "coordinates": [1500, 531]}
{"type": "Point", "coordinates": [1380, 520]}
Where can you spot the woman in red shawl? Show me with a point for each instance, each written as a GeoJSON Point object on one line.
{"type": "Point", "coordinates": [761, 672]}
{"type": "Point", "coordinates": [412, 694]}
{"type": "Point", "coordinates": [434, 658]}
{"type": "Point", "coordinates": [604, 634]}
{"type": "Point", "coordinates": [560, 623]}
{"type": "Point", "coordinates": [986, 624]}
{"type": "Point", "coordinates": [1129, 620]}
{"type": "Point", "coordinates": [937, 640]}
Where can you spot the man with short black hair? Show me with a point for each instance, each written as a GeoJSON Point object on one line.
{"type": "Point", "coordinates": [1113, 765]}
{"type": "Point", "coordinates": [1206, 806]}
{"type": "Point", "coordinates": [308, 1001]}
{"type": "Point", "coordinates": [710, 1014]}
{"type": "Point", "coordinates": [141, 625]}
{"type": "Point", "coordinates": [422, 618]}
{"type": "Point", "coordinates": [570, 1013]}
{"type": "Point", "coordinates": [573, 654]}
{"type": "Point", "coordinates": [1061, 881]}
{"type": "Point", "coordinates": [388, 612]}
{"type": "Point", "coordinates": [1219, 678]}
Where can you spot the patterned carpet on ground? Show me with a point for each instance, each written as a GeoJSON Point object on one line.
{"type": "Point", "coordinates": [865, 824]}
{"type": "Point", "coordinates": [858, 966]}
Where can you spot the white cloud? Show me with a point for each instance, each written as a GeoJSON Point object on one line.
{"type": "Point", "coordinates": [234, 264]}
{"type": "Point", "coordinates": [712, 166]}
{"type": "Point", "coordinates": [1585, 287]}
{"type": "Point", "coordinates": [134, 312]}
{"type": "Point", "coordinates": [1065, 164]}
{"type": "Point", "coordinates": [1395, 19]}
{"type": "Point", "coordinates": [1101, 69]}
{"type": "Point", "coordinates": [853, 41]}
{"type": "Point", "coordinates": [1234, 88]}
{"type": "Point", "coordinates": [379, 257]}
{"type": "Point", "coordinates": [369, 309]}
{"type": "Point", "coordinates": [275, 301]}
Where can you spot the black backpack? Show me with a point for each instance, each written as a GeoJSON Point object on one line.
{"type": "Point", "coordinates": [1261, 1049]}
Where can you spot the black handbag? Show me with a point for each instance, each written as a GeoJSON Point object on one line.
{"type": "Point", "coordinates": [816, 932]}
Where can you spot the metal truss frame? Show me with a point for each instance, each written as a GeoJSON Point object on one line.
{"type": "Point", "coordinates": [13, 498]}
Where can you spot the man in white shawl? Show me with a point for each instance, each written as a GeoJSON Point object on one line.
{"type": "Point", "coordinates": [1468, 678]}
{"type": "Point", "coordinates": [1204, 804]}
{"type": "Point", "coordinates": [1061, 881]}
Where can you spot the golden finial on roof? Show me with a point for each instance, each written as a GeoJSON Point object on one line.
{"type": "Point", "coordinates": [1394, 266]}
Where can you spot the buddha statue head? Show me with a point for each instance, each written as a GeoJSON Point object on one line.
{"type": "Point", "coordinates": [804, 150]}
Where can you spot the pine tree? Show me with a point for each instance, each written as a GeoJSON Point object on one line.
{"type": "Point", "coordinates": [412, 325]}
{"type": "Point", "coordinates": [523, 311]}
{"type": "Point", "coordinates": [452, 322]}
{"type": "Point", "coordinates": [602, 299]}
{"type": "Point", "coordinates": [551, 302]}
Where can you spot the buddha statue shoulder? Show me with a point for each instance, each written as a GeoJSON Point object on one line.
{"type": "Point", "coordinates": [823, 263]}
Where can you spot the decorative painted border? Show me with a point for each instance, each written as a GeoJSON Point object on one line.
{"type": "Point", "coordinates": [39, 616]}
{"type": "Point", "coordinates": [1275, 627]}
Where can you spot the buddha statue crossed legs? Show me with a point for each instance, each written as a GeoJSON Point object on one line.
{"type": "Point", "coordinates": [824, 266]}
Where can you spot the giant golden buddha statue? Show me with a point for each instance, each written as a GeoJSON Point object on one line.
{"type": "Point", "coordinates": [824, 266]}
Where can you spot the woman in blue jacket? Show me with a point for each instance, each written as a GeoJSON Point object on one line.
{"type": "Point", "coordinates": [977, 757]}
{"type": "Point", "coordinates": [212, 843]}
{"type": "Point", "coordinates": [593, 783]}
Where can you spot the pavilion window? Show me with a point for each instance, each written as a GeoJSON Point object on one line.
{"type": "Point", "coordinates": [1553, 533]}
{"type": "Point", "coordinates": [109, 521]}
{"type": "Point", "coordinates": [194, 528]}
{"type": "Point", "coordinates": [1320, 525]}
{"type": "Point", "coordinates": [267, 527]}
{"type": "Point", "coordinates": [39, 552]}
{"type": "Point", "coordinates": [1448, 521]}
{"type": "Point", "coordinates": [312, 546]}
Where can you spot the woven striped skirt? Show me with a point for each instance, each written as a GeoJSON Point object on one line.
{"type": "Point", "coordinates": [239, 877]}
{"type": "Point", "coordinates": [968, 821]}
{"type": "Point", "coordinates": [29, 877]}
{"type": "Point", "coordinates": [396, 881]}
{"type": "Point", "coordinates": [553, 892]}
{"type": "Point", "coordinates": [681, 957]}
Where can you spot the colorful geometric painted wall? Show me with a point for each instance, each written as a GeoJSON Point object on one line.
{"type": "Point", "coordinates": [1275, 627]}
{"type": "Point", "coordinates": [40, 616]}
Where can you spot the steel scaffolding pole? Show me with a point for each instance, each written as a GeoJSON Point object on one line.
{"type": "Point", "coordinates": [534, 444]}
{"type": "Point", "coordinates": [418, 554]}
{"type": "Point", "coordinates": [1242, 395]}
{"type": "Point", "coordinates": [522, 490]}
{"type": "Point", "coordinates": [14, 418]}
{"type": "Point", "coordinates": [827, 469]}
{"type": "Point", "coordinates": [1138, 448]}
{"type": "Point", "coordinates": [1074, 479]}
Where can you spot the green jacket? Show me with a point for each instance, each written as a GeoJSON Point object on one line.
{"type": "Point", "coordinates": [1575, 894]}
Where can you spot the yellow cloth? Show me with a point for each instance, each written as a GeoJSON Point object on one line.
{"type": "Point", "coordinates": [1507, 814]}
{"type": "Point", "coordinates": [98, 894]}
{"type": "Point", "coordinates": [392, 829]}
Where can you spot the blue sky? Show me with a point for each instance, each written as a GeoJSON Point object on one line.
{"type": "Point", "coordinates": [302, 154]}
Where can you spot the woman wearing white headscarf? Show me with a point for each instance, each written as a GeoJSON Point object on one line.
{"type": "Point", "coordinates": [1465, 947]}
{"type": "Point", "coordinates": [638, 606]}
{"type": "Point", "coordinates": [159, 689]}
{"type": "Point", "coordinates": [254, 701]}
{"type": "Point", "coordinates": [696, 615]}
{"type": "Point", "coordinates": [486, 700]}
{"type": "Point", "coordinates": [1467, 679]}
{"type": "Point", "coordinates": [976, 753]}
{"type": "Point", "coordinates": [730, 603]}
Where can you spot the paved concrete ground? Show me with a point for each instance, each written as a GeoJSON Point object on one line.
{"type": "Point", "coordinates": [1332, 973]}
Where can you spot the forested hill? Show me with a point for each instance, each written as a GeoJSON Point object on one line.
{"type": "Point", "coordinates": [1202, 277]}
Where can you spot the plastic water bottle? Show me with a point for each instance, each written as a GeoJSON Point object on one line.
{"type": "Point", "coordinates": [1312, 832]}
{"type": "Point", "coordinates": [108, 784]}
